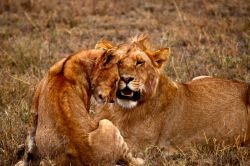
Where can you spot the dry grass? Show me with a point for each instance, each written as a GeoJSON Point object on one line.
{"type": "Point", "coordinates": [207, 37]}
{"type": "Point", "coordinates": [212, 153]}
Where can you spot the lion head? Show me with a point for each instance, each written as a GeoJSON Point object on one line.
{"type": "Point", "coordinates": [97, 67]}
{"type": "Point", "coordinates": [105, 76]}
{"type": "Point", "coordinates": [139, 70]}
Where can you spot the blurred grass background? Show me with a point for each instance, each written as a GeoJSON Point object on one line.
{"type": "Point", "coordinates": [207, 37]}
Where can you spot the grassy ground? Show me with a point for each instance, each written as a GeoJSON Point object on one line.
{"type": "Point", "coordinates": [207, 37]}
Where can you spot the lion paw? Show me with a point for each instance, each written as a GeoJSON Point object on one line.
{"type": "Point", "coordinates": [20, 163]}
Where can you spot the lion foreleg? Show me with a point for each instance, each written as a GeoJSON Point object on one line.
{"type": "Point", "coordinates": [109, 146]}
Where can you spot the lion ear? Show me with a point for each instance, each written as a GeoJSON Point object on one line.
{"type": "Point", "coordinates": [57, 67]}
{"type": "Point", "coordinates": [110, 56]}
{"type": "Point", "coordinates": [160, 56]}
{"type": "Point", "coordinates": [103, 44]}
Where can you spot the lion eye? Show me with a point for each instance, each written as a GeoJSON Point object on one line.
{"type": "Point", "coordinates": [116, 81]}
{"type": "Point", "coordinates": [139, 62]}
{"type": "Point", "coordinates": [119, 63]}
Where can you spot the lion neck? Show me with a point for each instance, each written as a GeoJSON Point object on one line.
{"type": "Point", "coordinates": [167, 90]}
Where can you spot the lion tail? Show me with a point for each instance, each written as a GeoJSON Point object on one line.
{"type": "Point", "coordinates": [248, 97]}
{"type": "Point", "coordinates": [248, 102]}
{"type": "Point", "coordinates": [33, 122]}
{"type": "Point", "coordinates": [247, 141]}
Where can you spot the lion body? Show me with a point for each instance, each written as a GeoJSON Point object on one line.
{"type": "Point", "coordinates": [56, 120]}
{"type": "Point", "coordinates": [181, 114]}
{"type": "Point", "coordinates": [174, 115]}
{"type": "Point", "coordinates": [61, 127]}
{"type": "Point", "coordinates": [207, 108]}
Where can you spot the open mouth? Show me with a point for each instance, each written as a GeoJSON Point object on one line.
{"type": "Point", "coordinates": [128, 94]}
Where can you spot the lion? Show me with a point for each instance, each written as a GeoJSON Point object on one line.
{"type": "Point", "coordinates": [153, 110]}
{"type": "Point", "coordinates": [62, 130]}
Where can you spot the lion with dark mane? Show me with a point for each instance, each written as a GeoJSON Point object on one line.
{"type": "Point", "coordinates": [153, 110]}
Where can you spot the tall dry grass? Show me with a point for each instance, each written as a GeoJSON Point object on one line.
{"type": "Point", "coordinates": [206, 38]}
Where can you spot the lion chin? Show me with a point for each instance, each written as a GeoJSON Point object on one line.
{"type": "Point", "coordinates": [128, 98]}
{"type": "Point", "coordinates": [128, 104]}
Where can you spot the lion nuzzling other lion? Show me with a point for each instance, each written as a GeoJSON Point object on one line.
{"type": "Point", "coordinates": [151, 109]}
{"type": "Point", "coordinates": [62, 129]}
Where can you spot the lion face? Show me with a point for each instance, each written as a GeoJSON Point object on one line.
{"type": "Point", "coordinates": [105, 77]}
{"type": "Point", "coordinates": [139, 70]}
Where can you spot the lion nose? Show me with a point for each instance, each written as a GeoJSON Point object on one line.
{"type": "Point", "coordinates": [101, 96]}
{"type": "Point", "coordinates": [127, 79]}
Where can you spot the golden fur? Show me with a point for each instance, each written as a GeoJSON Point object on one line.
{"type": "Point", "coordinates": [153, 110]}
{"type": "Point", "coordinates": [62, 128]}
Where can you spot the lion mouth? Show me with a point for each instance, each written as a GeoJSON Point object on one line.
{"type": "Point", "coordinates": [128, 94]}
